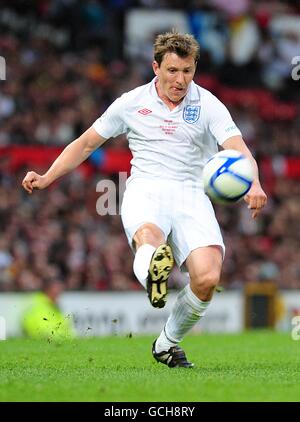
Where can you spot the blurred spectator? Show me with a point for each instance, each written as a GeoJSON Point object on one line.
{"type": "Point", "coordinates": [43, 319]}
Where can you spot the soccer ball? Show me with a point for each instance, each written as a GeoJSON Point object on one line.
{"type": "Point", "coordinates": [227, 176]}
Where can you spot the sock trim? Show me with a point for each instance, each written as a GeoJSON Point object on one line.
{"type": "Point", "coordinates": [199, 304]}
{"type": "Point", "coordinates": [168, 338]}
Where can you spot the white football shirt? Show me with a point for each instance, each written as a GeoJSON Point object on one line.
{"type": "Point", "coordinates": [168, 144]}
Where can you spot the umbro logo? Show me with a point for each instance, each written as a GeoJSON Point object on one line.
{"type": "Point", "coordinates": [145, 111]}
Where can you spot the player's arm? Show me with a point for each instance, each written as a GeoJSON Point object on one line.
{"type": "Point", "coordinates": [256, 197]}
{"type": "Point", "coordinates": [70, 158]}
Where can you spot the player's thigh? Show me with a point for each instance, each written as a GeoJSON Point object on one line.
{"type": "Point", "coordinates": [195, 226]}
{"type": "Point", "coordinates": [141, 208]}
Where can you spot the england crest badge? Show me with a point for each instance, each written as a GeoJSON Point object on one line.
{"type": "Point", "coordinates": [191, 113]}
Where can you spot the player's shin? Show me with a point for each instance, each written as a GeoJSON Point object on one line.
{"type": "Point", "coordinates": [186, 312]}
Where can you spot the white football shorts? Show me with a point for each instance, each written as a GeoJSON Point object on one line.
{"type": "Point", "coordinates": [181, 210]}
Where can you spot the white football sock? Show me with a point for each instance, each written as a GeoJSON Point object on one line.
{"type": "Point", "coordinates": [142, 261]}
{"type": "Point", "coordinates": [187, 310]}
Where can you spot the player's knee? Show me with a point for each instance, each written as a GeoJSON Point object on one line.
{"type": "Point", "coordinates": [149, 233]}
{"type": "Point", "coordinates": [206, 281]}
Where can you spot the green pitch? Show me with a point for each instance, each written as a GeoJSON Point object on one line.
{"type": "Point", "coordinates": [254, 366]}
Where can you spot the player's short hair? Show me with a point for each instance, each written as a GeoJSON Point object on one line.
{"type": "Point", "coordinates": [183, 45]}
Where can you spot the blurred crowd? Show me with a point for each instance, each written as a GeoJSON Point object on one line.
{"type": "Point", "coordinates": [66, 63]}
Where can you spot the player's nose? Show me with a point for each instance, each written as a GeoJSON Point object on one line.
{"type": "Point", "coordinates": [180, 78]}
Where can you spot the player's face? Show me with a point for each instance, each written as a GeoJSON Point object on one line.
{"type": "Point", "coordinates": [174, 76]}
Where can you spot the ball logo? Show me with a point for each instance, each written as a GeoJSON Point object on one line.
{"type": "Point", "coordinates": [191, 113]}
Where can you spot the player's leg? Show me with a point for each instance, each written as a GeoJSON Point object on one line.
{"type": "Point", "coordinates": [147, 226]}
{"type": "Point", "coordinates": [204, 266]}
{"type": "Point", "coordinates": [153, 262]}
{"type": "Point", "coordinates": [198, 247]}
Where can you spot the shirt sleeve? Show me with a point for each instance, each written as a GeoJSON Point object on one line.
{"type": "Point", "coordinates": [111, 123]}
{"type": "Point", "coordinates": [220, 122]}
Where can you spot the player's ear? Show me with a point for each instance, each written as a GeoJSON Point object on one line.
{"type": "Point", "coordinates": [155, 67]}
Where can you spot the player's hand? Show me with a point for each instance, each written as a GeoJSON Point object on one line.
{"type": "Point", "coordinates": [256, 199]}
{"type": "Point", "coordinates": [33, 180]}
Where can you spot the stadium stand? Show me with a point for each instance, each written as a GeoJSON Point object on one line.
{"type": "Point", "coordinates": [65, 65]}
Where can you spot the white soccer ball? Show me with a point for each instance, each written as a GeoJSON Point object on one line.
{"type": "Point", "coordinates": [227, 176]}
